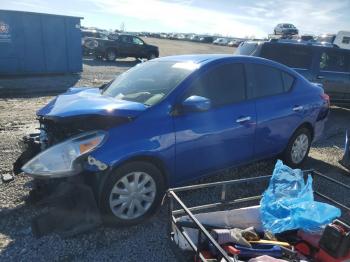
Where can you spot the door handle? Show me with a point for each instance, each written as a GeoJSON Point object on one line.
{"type": "Point", "coordinates": [320, 77]}
{"type": "Point", "coordinates": [243, 119]}
{"type": "Point", "coordinates": [298, 108]}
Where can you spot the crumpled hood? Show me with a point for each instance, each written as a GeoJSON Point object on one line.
{"type": "Point", "coordinates": [89, 101]}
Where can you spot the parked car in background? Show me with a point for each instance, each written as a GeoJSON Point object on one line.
{"type": "Point", "coordinates": [320, 63]}
{"type": "Point", "coordinates": [122, 45]}
{"type": "Point", "coordinates": [172, 120]}
{"type": "Point", "coordinates": [341, 39]}
{"type": "Point", "coordinates": [307, 38]}
{"type": "Point", "coordinates": [86, 34]}
{"type": "Point", "coordinates": [221, 41]}
{"type": "Point", "coordinates": [326, 38]}
{"type": "Point", "coordinates": [285, 29]}
{"type": "Point", "coordinates": [206, 39]}
{"type": "Point", "coordinates": [235, 42]}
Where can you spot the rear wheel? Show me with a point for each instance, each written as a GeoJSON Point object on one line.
{"type": "Point", "coordinates": [298, 148]}
{"type": "Point", "coordinates": [132, 193]}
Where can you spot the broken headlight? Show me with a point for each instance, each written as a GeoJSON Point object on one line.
{"type": "Point", "coordinates": [60, 160]}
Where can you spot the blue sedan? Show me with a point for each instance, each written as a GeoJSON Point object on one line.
{"type": "Point", "coordinates": [171, 120]}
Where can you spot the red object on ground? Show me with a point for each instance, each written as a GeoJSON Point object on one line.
{"type": "Point", "coordinates": [231, 250]}
{"type": "Point", "coordinates": [206, 255]}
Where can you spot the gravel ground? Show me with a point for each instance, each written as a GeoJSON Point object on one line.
{"type": "Point", "coordinates": [145, 242]}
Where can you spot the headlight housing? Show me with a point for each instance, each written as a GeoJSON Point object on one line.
{"type": "Point", "coordinates": [60, 160]}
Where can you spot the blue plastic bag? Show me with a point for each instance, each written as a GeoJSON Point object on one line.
{"type": "Point", "coordinates": [288, 203]}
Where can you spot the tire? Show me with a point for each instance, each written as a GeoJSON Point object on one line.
{"type": "Point", "coordinates": [97, 57]}
{"type": "Point", "coordinates": [111, 55]}
{"type": "Point", "coordinates": [151, 56]}
{"type": "Point", "coordinates": [129, 197]}
{"type": "Point", "coordinates": [291, 156]}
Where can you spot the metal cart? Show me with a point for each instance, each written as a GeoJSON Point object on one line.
{"type": "Point", "coordinates": [226, 203]}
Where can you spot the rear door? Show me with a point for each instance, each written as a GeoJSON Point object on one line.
{"type": "Point", "coordinates": [334, 74]}
{"type": "Point", "coordinates": [223, 135]}
{"type": "Point", "coordinates": [279, 111]}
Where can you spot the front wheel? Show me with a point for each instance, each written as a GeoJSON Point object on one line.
{"type": "Point", "coordinates": [298, 148]}
{"type": "Point", "coordinates": [132, 193]}
{"type": "Point", "coordinates": [151, 56]}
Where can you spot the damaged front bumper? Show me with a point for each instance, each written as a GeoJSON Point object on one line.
{"type": "Point", "coordinates": [66, 158]}
{"type": "Point", "coordinates": [71, 196]}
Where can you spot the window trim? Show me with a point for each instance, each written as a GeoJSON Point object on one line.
{"type": "Point", "coordinates": [182, 96]}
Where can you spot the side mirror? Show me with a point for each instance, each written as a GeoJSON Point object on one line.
{"type": "Point", "coordinates": [196, 104]}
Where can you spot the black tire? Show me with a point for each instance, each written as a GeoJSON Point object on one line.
{"type": "Point", "coordinates": [111, 55]}
{"type": "Point", "coordinates": [151, 56]}
{"type": "Point", "coordinates": [287, 155]}
{"type": "Point", "coordinates": [108, 216]}
{"type": "Point", "coordinates": [97, 57]}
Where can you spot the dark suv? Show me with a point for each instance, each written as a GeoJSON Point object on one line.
{"type": "Point", "coordinates": [120, 46]}
{"type": "Point", "coordinates": [320, 63]}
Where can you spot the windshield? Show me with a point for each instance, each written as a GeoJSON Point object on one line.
{"type": "Point", "coordinates": [288, 26]}
{"type": "Point", "coordinates": [148, 83]}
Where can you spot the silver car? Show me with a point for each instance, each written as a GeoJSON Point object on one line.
{"type": "Point", "coordinates": [285, 29]}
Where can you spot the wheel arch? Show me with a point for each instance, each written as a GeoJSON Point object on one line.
{"type": "Point", "coordinates": [157, 162]}
{"type": "Point", "coordinates": [309, 126]}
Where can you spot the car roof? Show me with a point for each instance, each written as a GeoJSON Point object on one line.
{"type": "Point", "coordinates": [202, 59]}
{"type": "Point", "coordinates": [300, 43]}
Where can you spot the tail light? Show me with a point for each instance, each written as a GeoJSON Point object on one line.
{"type": "Point", "coordinates": [325, 97]}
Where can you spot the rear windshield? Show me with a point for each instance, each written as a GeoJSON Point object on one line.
{"type": "Point", "coordinates": [149, 82]}
{"type": "Point", "coordinates": [246, 48]}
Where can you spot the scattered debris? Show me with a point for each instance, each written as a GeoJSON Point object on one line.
{"type": "Point", "coordinates": [6, 178]}
{"type": "Point", "coordinates": [73, 210]}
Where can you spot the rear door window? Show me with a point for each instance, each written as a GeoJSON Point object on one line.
{"type": "Point", "coordinates": [288, 81]}
{"type": "Point", "coordinates": [268, 81]}
{"type": "Point", "coordinates": [335, 60]}
{"type": "Point", "coordinates": [290, 55]}
{"type": "Point", "coordinates": [223, 85]}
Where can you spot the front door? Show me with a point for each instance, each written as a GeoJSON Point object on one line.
{"type": "Point", "coordinates": [138, 47]}
{"type": "Point", "coordinates": [334, 74]}
{"type": "Point", "coordinates": [222, 136]}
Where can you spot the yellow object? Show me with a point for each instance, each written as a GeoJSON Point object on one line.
{"type": "Point", "coordinates": [89, 145]}
{"type": "Point", "coordinates": [263, 241]}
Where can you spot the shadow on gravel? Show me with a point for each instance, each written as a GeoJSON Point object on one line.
{"type": "Point", "coordinates": [34, 86]}
{"type": "Point", "coordinates": [334, 134]}
{"type": "Point", "coordinates": [325, 168]}
{"type": "Point", "coordinates": [118, 63]}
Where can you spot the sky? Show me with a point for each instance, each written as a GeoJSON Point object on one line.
{"type": "Point", "coordinates": [238, 18]}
